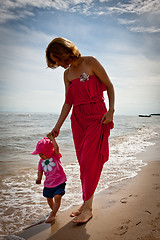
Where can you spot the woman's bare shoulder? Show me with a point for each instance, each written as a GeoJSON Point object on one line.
{"type": "Point", "coordinates": [92, 62]}
{"type": "Point", "coordinates": [89, 59]}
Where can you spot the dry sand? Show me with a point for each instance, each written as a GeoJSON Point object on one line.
{"type": "Point", "coordinates": [132, 212]}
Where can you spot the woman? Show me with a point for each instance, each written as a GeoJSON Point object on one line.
{"type": "Point", "coordinates": [85, 80]}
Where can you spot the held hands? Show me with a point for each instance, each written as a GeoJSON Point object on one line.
{"type": "Point", "coordinates": [50, 136]}
{"type": "Point", "coordinates": [54, 133]}
{"type": "Point", "coordinates": [108, 117]}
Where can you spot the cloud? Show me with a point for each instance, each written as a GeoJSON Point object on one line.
{"type": "Point", "coordinates": [126, 21]}
{"type": "Point", "coordinates": [136, 25]}
{"type": "Point", "coordinates": [131, 59]}
{"type": "Point", "coordinates": [137, 7]}
{"type": "Point", "coordinates": [23, 64]}
{"type": "Point", "coordinates": [10, 10]}
{"type": "Point", "coordinates": [13, 10]}
{"type": "Point", "coordinates": [22, 51]}
{"type": "Point", "coordinates": [18, 9]}
{"type": "Point", "coordinates": [145, 29]}
{"type": "Point", "coordinates": [139, 16]}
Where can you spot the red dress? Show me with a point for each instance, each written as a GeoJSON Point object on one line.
{"type": "Point", "coordinates": [89, 133]}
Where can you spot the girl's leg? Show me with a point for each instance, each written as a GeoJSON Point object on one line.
{"type": "Point", "coordinates": [56, 205]}
{"type": "Point", "coordinates": [50, 202]}
{"type": "Point", "coordinates": [86, 213]}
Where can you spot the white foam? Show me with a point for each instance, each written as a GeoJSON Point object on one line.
{"type": "Point", "coordinates": [22, 202]}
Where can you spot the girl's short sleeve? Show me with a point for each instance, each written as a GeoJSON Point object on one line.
{"type": "Point", "coordinates": [69, 99]}
{"type": "Point", "coordinates": [40, 166]}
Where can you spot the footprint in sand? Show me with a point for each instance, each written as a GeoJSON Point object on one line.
{"type": "Point", "coordinates": [125, 199]}
{"type": "Point", "coordinates": [123, 228]}
{"type": "Point", "coordinates": [156, 186]}
{"type": "Point", "coordinates": [148, 212]}
{"type": "Point", "coordinates": [158, 205]}
{"type": "Point", "coordinates": [155, 174]}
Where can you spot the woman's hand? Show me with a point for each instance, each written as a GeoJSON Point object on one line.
{"type": "Point", "coordinates": [55, 132]}
{"type": "Point", "coordinates": [108, 117]}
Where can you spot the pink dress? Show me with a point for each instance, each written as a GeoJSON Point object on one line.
{"type": "Point", "coordinates": [89, 133]}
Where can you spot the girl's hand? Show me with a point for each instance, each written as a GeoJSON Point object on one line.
{"type": "Point", "coordinates": [108, 117]}
{"type": "Point", "coordinates": [38, 181]}
{"type": "Point", "coordinates": [55, 145]}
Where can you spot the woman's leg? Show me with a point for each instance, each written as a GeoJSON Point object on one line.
{"type": "Point", "coordinates": [90, 137]}
{"type": "Point", "coordinates": [86, 213]}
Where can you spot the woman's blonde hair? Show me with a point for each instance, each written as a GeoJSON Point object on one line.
{"type": "Point", "coordinates": [62, 49]}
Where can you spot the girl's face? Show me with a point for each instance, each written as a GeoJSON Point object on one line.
{"type": "Point", "coordinates": [60, 62]}
{"type": "Point", "coordinates": [42, 156]}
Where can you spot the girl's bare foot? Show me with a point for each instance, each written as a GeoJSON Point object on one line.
{"type": "Point", "coordinates": [84, 217]}
{"type": "Point", "coordinates": [51, 218]}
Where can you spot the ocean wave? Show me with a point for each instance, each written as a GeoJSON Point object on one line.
{"type": "Point", "coordinates": [22, 202]}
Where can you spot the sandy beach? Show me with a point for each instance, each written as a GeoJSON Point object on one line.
{"type": "Point", "coordinates": [131, 212]}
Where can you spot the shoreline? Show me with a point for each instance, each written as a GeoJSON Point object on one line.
{"type": "Point", "coordinates": [130, 211]}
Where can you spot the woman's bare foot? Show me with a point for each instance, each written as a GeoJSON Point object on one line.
{"type": "Point", "coordinates": [84, 217]}
{"type": "Point", "coordinates": [78, 212]}
{"type": "Point", "coordinates": [51, 218]}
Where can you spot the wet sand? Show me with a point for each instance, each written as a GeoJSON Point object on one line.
{"type": "Point", "coordinates": [130, 212]}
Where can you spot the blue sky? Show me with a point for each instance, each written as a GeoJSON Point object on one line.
{"type": "Point", "coordinates": [123, 35]}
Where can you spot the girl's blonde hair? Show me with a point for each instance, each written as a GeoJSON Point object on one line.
{"type": "Point", "coordinates": [62, 49]}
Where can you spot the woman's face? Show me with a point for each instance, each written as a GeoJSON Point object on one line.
{"type": "Point", "coordinates": [60, 62]}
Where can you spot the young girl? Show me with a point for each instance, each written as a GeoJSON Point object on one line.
{"type": "Point", "coordinates": [85, 80]}
{"type": "Point", "coordinates": [54, 184]}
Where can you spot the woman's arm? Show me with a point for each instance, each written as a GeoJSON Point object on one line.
{"type": "Point", "coordinates": [64, 112]}
{"type": "Point", "coordinates": [100, 72]}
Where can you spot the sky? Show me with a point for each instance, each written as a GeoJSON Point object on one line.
{"type": "Point", "coordinates": [123, 35]}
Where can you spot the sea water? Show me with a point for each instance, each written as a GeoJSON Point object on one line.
{"type": "Point", "coordinates": [21, 201]}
